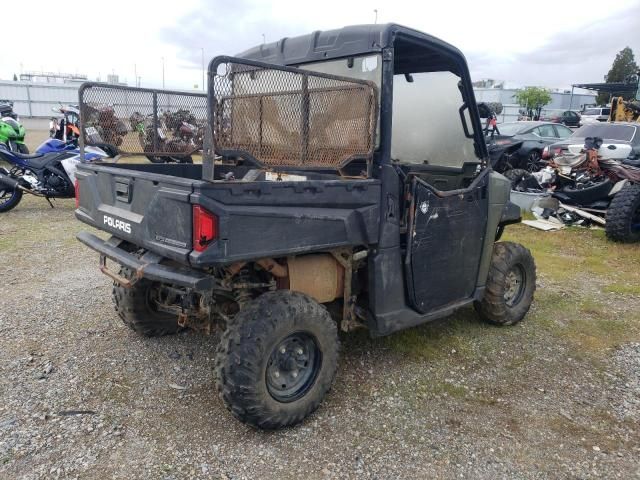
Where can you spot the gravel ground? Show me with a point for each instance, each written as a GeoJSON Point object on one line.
{"type": "Point", "coordinates": [83, 397]}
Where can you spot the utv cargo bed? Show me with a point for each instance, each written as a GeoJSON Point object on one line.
{"type": "Point", "coordinates": [151, 206]}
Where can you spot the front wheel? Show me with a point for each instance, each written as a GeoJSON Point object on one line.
{"type": "Point", "coordinates": [9, 199]}
{"type": "Point", "coordinates": [277, 359]}
{"type": "Point", "coordinates": [510, 285]}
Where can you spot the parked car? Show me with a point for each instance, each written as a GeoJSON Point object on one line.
{"type": "Point", "coordinates": [535, 136]}
{"type": "Point", "coordinates": [593, 115]}
{"type": "Point", "coordinates": [616, 136]}
{"type": "Point", "coordinates": [568, 118]}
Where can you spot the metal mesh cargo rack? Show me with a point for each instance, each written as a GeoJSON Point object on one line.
{"type": "Point", "coordinates": [280, 116]}
{"type": "Point", "coordinates": [142, 121]}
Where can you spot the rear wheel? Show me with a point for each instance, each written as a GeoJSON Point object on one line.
{"type": "Point", "coordinates": [623, 215]}
{"type": "Point", "coordinates": [277, 359]}
{"type": "Point", "coordinates": [138, 308]}
{"type": "Point", "coordinates": [510, 285]}
{"type": "Point", "coordinates": [9, 198]}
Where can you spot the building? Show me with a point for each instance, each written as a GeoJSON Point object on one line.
{"type": "Point", "coordinates": [560, 101]}
{"type": "Point", "coordinates": [36, 98]}
{"type": "Point", "coordinates": [50, 77]}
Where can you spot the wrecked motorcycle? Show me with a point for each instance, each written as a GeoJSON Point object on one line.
{"type": "Point", "coordinates": [180, 141]}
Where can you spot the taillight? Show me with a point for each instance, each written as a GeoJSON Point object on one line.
{"type": "Point", "coordinates": [76, 186]}
{"type": "Point", "coordinates": [205, 228]}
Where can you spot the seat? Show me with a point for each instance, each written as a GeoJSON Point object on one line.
{"type": "Point", "coordinates": [28, 156]}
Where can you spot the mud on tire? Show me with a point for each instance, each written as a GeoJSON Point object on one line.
{"type": "Point", "coordinates": [623, 215]}
{"type": "Point", "coordinates": [510, 285]}
{"type": "Point", "coordinates": [136, 309]}
{"type": "Point", "coordinates": [277, 359]}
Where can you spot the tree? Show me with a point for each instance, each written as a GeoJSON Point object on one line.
{"type": "Point", "coordinates": [533, 99]}
{"type": "Point", "coordinates": [624, 67]}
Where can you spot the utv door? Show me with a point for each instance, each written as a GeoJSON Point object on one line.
{"type": "Point", "coordinates": [445, 237]}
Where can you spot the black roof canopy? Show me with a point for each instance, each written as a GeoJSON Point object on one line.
{"type": "Point", "coordinates": [360, 40]}
{"type": "Point", "coordinates": [618, 88]}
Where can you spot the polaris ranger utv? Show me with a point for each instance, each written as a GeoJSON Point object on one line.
{"type": "Point", "coordinates": [345, 184]}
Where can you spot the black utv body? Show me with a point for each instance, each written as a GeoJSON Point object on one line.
{"type": "Point", "coordinates": [346, 184]}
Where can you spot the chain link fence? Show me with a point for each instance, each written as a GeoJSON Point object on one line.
{"type": "Point", "coordinates": [280, 116]}
{"type": "Point", "coordinates": [142, 121]}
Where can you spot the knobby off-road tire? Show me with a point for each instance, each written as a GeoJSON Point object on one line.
{"type": "Point", "coordinates": [623, 215]}
{"type": "Point", "coordinates": [136, 309]}
{"type": "Point", "coordinates": [510, 285]}
{"type": "Point", "coordinates": [272, 337]}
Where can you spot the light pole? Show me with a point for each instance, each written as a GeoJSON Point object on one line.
{"type": "Point", "coordinates": [163, 73]}
{"type": "Point", "coordinates": [202, 51]}
{"type": "Point", "coordinates": [375, 10]}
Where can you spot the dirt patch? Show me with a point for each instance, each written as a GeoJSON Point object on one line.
{"type": "Point", "coordinates": [83, 397]}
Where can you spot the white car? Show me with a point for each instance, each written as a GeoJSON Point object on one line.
{"type": "Point", "coordinates": [594, 115]}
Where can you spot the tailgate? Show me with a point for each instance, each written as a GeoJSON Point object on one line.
{"type": "Point", "coordinates": [147, 209]}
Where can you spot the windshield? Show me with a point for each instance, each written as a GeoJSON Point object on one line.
{"type": "Point", "coordinates": [512, 128]}
{"type": "Point", "coordinates": [608, 131]}
{"type": "Point", "coordinates": [591, 111]}
{"type": "Point", "coordinates": [367, 67]}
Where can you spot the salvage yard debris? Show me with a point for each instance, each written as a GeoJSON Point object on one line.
{"type": "Point", "coordinates": [581, 187]}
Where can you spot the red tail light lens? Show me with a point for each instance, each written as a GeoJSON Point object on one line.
{"type": "Point", "coordinates": [205, 228]}
{"type": "Point", "coordinates": [76, 186]}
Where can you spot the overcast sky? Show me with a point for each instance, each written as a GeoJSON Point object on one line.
{"type": "Point", "coordinates": [533, 42]}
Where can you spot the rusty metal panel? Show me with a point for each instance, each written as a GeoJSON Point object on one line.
{"type": "Point", "coordinates": [282, 116]}
{"type": "Point", "coordinates": [143, 121]}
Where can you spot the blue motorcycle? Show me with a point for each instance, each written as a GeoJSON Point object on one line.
{"type": "Point", "coordinates": [48, 173]}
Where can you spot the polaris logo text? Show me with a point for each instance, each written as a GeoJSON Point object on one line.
{"type": "Point", "coordinates": [117, 224]}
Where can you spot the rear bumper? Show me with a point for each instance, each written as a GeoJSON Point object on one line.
{"type": "Point", "coordinates": [147, 266]}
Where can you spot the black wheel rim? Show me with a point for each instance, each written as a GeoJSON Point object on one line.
{"type": "Point", "coordinates": [515, 282]}
{"type": "Point", "coordinates": [293, 367]}
{"type": "Point", "coordinates": [6, 196]}
{"type": "Point", "coordinates": [532, 161]}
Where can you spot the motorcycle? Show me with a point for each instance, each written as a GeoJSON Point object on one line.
{"type": "Point", "coordinates": [107, 127]}
{"type": "Point", "coordinates": [181, 140]}
{"type": "Point", "coordinates": [68, 127]}
{"type": "Point", "coordinates": [49, 174]}
{"type": "Point", "coordinates": [12, 132]}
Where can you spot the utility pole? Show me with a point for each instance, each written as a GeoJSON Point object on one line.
{"type": "Point", "coordinates": [135, 75]}
{"type": "Point", "coordinates": [202, 50]}
{"type": "Point", "coordinates": [163, 73]}
{"type": "Point", "coordinates": [264, 39]}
